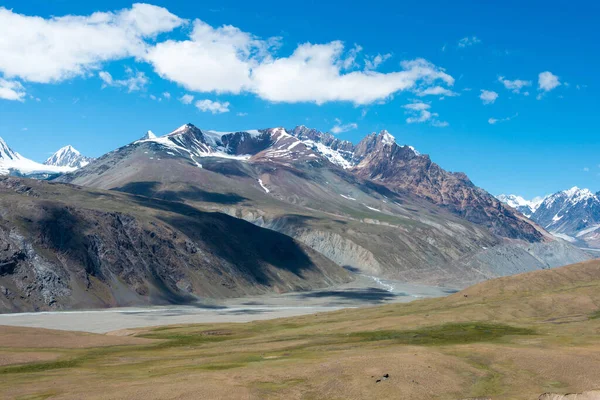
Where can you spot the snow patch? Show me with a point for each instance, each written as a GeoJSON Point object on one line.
{"type": "Point", "coordinates": [262, 185]}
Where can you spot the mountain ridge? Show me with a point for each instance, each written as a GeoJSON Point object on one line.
{"type": "Point", "coordinates": [360, 216]}
{"type": "Point", "coordinates": [572, 214]}
{"type": "Point", "coordinates": [13, 163]}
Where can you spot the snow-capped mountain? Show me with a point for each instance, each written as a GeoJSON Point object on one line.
{"type": "Point", "coordinates": [525, 207]}
{"type": "Point", "coordinates": [336, 197]}
{"type": "Point", "coordinates": [12, 163]}
{"type": "Point", "coordinates": [68, 156]}
{"type": "Point", "coordinates": [572, 215]}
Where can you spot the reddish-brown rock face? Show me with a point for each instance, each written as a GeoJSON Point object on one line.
{"type": "Point", "coordinates": [400, 168]}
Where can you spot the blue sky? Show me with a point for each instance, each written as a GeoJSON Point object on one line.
{"type": "Point", "coordinates": [108, 88]}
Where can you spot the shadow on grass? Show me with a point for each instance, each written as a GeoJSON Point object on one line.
{"type": "Point", "coordinates": [448, 334]}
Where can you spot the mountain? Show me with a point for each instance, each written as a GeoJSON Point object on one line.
{"type": "Point", "coordinates": [376, 208]}
{"type": "Point", "coordinates": [63, 247]}
{"type": "Point", "coordinates": [12, 163]}
{"type": "Point", "coordinates": [400, 168]}
{"type": "Point", "coordinates": [572, 215]}
{"type": "Point", "coordinates": [525, 207]}
{"type": "Point", "coordinates": [68, 157]}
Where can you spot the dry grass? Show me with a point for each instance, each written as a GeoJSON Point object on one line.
{"type": "Point", "coordinates": [512, 338]}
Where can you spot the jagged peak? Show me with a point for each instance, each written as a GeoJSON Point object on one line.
{"type": "Point", "coordinates": [184, 128]}
{"type": "Point", "coordinates": [149, 135]}
{"type": "Point", "coordinates": [67, 149]}
{"type": "Point", "coordinates": [6, 152]}
{"type": "Point", "coordinates": [386, 137]}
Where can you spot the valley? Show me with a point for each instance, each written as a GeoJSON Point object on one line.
{"type": "Point", "coordinates": [203, 214]}
{"type": "Point", "coordinates": [362, 291]}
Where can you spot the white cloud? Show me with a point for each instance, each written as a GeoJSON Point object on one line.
{"type": "Point", "coordinates": [213, 60]}
{"type": "Point", "coordinates": [436, 91]}
{"type": "Point", "coordinates": [419, 112]}
{"type": "Point", "coordinates": [313, 74]}
{"type": "Point", "coordinates": [516, 85]}
{"type": "Point", "coordinates": [586, 169]}
{"type": "Point", "coordinates": [11, 90]}
{"type": "Point", "coordinates": [340, 128]}
{"type": "Point", "coordinates": [439, 124]}
{"type": "Point", "coordinates": [488, 96]}
{"type": "Point", "coordinates": [547, 81]}
{"type": "Point", "coordinates": [350, 61]}
{"type": "Point", "coordinates": [214, 107]}
{"type": "Point", "coordinates": [372, 63]}
{"type": "Point", "coordinates": [134, 82]}
{"type": "Point", "coordinates": [468, 41]}
{"type": "Point", "coordinates": [51, 50]}
{"type": "Point", "coordinates": [186, 99]}
{"type": "Point", "coordinates": [493, 121]}
{"type": "Point", "coordinates": [210, 60]}
{"type": "Point", "coordinates": [242, 114]}
{"type": "Point", "coordinates": [167, 95]}
{"type": "Point", "coordinates": [228, 60]}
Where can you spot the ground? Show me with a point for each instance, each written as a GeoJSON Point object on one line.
{"type": "Point", "coordinates": [509, 338]}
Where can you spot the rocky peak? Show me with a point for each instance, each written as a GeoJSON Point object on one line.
{"type": "Point", "coordinates": [68, 156]}
{"type": "Point", "coordinates": [6, 153]}
{"type": "Point", "coordinates": [149, 135]}
{"type": "Point", "coordinates": [304, 133]}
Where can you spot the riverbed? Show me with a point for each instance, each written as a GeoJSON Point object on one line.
{"type": "Point", "coordinates": [363, 291]}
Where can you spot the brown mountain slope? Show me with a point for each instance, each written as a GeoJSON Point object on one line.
{"type": "Point", "coordinates": [290, 187]}
{"type": "Point", "coordinates": [63, 246]}
{"type": "Point", "coordinates": [401, 169]}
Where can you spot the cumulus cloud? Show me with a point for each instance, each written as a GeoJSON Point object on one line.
{"type": "Point", "coordinates": [419, 112]}
{"type": "Point", "coordinates": [515, 86]}
{"type": "Point", "coordinates": [488, 96]}
{"type": "Point", "coordinates": [186, 99]}
{"type": "Point", "coordinates": [43, 50]}
{"type": "Point", "coordinates": [340, 128]}
{"type": "Point", "coordinates": [11, 90]}
{"type": "Point", "coordinates": [210, 60]}
{"type": "Point", "coordinates": [134, 82]}
{"type": "Point", "coordinates": [167, 95]}
{"type": "Point", "coordinates": [493, 121]}
{"type": "Point", "coordinates": [228, 60]}
{"type": "Point", "coordinates": [547, 81]}
{"type": "Point", "coordinates": [214, 107]}
{"type": "Point", "coordinates": [468, 41]}
{"type": "Point", "coordinates": [313, 74]}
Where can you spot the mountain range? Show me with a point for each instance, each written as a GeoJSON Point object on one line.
{"type": "Point", "coordinates": [572, 215]}
{"type": "Point", "coordinates": [12, 163]}
{"type": "Point", "coordinates": [376, 208]}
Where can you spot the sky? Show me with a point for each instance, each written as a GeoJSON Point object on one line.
{"type": "Point", "coordinates": [503, 91]}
